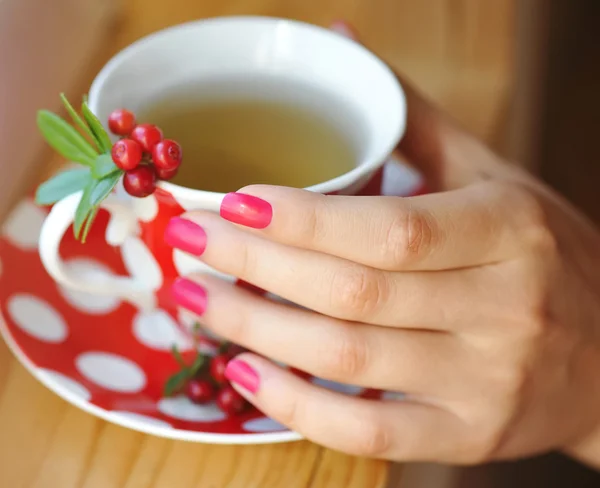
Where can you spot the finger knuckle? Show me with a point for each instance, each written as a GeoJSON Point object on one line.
{"type": "Point", "coordinates": [233, 325]}
{"type": "Point", "coordinates": [307, 227]}
{"type": "Point", "coordinates": [357, 290]}
{"type": "Point", "coordinates": [410, 237]}
{"type": "Point", "coordinates": [312, 229]}
{"type": "Point", "coordinates": [246, 261]}
{"type": "Point", "coordinates": [289, 412]}
{"type": "Point", "coordinates": [372, 439]}
{"type": "Point", "coordinates": [346, 356]}
{"type": "Point", "coordinates": [530, 215]}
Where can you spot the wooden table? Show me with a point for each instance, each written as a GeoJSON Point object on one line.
{"type": "Point", "coordinates": [45, 442]}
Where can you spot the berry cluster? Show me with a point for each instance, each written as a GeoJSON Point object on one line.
{"type": "Point", "coordinates": [204, 380]}
{"type": "Point", "coordinates": [142, 153]}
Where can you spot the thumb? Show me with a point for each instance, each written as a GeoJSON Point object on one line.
{"type": "Point", "coordinates": [446, 154]}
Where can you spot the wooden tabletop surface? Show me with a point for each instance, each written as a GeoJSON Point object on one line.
{"type": "Point", "coordinates": [47, 443]}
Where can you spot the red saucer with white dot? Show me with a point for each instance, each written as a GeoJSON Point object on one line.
{"type": "Point", "coordinates": [108, 357]}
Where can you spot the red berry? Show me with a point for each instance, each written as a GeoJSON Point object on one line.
{"type": "Point", "coordinates": [121, 122]}
{"type": "Point", "coordinates": [167, 154]}
{"type": "Point", "coordinates": [199, 391]}
{"type": "Point", "coordinates": [126, 154]}
{"type": "Point", "coordinates": [166, 174]}
{"type": "Point", "coordinates": [230, 401]}
{"type": "Point", "coordinates": [140, 182]}
{"type": "Point", "coordinates": [217, 368]}
{"type": "Point", "coordinates": [147, 135]}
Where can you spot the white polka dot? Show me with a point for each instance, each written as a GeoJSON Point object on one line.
{"type": "Point", "coordinates": [187, 264]}
{"type": "Point", "coordinates": [24, 225]}
{"type": "Point", "coordinates": [157, 330]}
{"type": "Point", "coordinates": [90, 271]}
{"type": "Point", "coordinates": [140, 263]}
{"type": "Point", "coordinates": [111, 371]}
{"type": "Point", "coordinates": [339, 387]}
{"type": "Point", "coordinates": [141, 419]}
{"type": "Point", "coordinates": [393, 395]}
{"type": "Point", "coordinates": [120, 226]}
{"type": "Point", "coordinates": [146, 209]}
{"type": "Point", "coordinates": [37, 318]}
{"type": "Point", "coordinates": [67, 383]}
{"type": "Point", "coordinates": [263, 424]}
{"type": "Point", "coordinates": [182, 409]}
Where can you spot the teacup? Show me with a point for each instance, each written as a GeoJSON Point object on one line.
{"type": "Point", "coordinates": [221, 47]}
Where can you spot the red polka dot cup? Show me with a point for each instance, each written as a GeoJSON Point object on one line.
{"type": "Point", "coordinates": [269, 56]}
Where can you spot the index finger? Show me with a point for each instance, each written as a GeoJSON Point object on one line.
{"type": "Point", "coordinates": [460, 228]}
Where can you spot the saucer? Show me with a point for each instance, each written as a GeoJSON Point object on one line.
{"type": "Point", "coordinates": [110, 358]}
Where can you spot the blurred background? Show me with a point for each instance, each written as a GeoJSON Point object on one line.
{"type": "Point", "coordinates": [521, 74]}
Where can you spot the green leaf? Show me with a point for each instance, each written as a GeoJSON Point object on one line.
{"type": "Point", "coordinates": [196, 365]}
{"type": "Point", "coordinates": [175, 383]}
{"type": "Point", "coordinates": [76, 118]}
{"type": "Point", "coordinates": [62, 185]}
{"type": "Point", "coordinates": [93, 195]}
{"type": "Point", "coordinates": [103, 188]}
{"type": "Point", "coordinates": [103, 166]}
{"type": "Point", "coordinates": [177, 356]}
{"type": "Point", "coordinates": [100, 135]}
{"type": "Point", "coordinates": [65, 139]}
{"type": "Point", "coordinates": [84, 208]}
{"type": "Point", "coordinates": [88, 223]}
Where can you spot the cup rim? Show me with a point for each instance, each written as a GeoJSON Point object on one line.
{"type": "Point", "coordinates": [345, 180]}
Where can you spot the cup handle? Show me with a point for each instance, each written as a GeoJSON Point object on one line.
{"type": "Point", "coordinates": [56, 224]}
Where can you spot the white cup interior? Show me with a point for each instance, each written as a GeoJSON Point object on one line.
{"type": "Point", "coordinates": [265, 53]}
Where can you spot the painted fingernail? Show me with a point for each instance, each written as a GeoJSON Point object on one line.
{"type": "Point", "coordinates": [190, 295]}
{"type": "Point", "coordinates": [241, 373]}
{"type": "Point", "coordinates": [185, 235]}
{"type": "Point", "coordinates": [247, 210]}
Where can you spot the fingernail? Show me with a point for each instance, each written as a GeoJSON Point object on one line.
{"type": "Point", "coordinates": [241, 373]}
{"type": "Point", "coordinates": [190, 295]}
{"type": "Point", "coordinates": [343, 28]}
{"type": "Point", "coordinates": [247, 210]}
{"type": "Point", "coordinates": [185, 235]}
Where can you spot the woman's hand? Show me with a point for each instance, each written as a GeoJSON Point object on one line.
{"type": "Point", "coordinates": [480, 302]}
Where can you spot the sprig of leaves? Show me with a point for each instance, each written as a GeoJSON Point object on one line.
{"type": "Point", "coordinates": [178, 380]}
{"type": "Point", "coordinates": [95, 180]}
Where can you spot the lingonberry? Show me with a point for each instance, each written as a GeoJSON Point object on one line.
{"type": "Point", "coordinates": [167, 154]}
{"type": "Point", "coordinates": [121, 122]}
{"type": "Point", "coordinates": [126, 154]}
{"type": "Point", "coordinates": [199, 391]}
{"type": "Point", "coordinates": [166, 174]}
{"type": "Point", "coordinates": [147, 135]}
{"type": "Point", "coordinates": [217, 368]}
{"type": "Point", "coordinates": [230, 401]}
{"type": "Point", "coordinates": [140, 182]}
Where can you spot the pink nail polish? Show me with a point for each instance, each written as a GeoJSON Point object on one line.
{"type": "Point", "coordinates": [190, 295]}
{"type": "Point", "coordinates": [240, 372]}
{"type": "Point", "coordinates": [185, 235]}
{"type": "Point", "coordinates": [247, 210]}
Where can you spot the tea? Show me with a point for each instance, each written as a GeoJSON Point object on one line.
{"type": "Point", "coordinates": [232, 141]}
